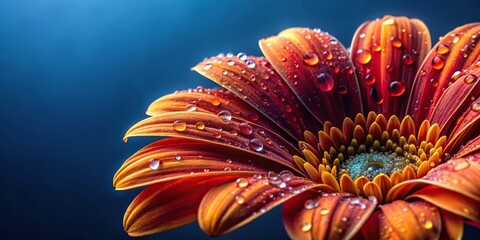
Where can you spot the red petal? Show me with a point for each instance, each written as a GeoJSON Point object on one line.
{"type": "Point", "coordinates": [254, 80]}
{"type": "Point", "coordinates": [457, 175]}
{"type": "Point", "coordinates": [469, 150]}
{"type": "Point", "coordinates": [163, 206]}
{"type": "Point", "coordinates": [174, 158]}
{"type": "Point", "coordinates": [457, 99]}
{"type": "Point", "coordinates": [404, 220]}
{"type": "Point", "coordinates": [387, 53]}
{"type": "Point", "coordinates": [455, 51]}
{"type": "Point", "coordinates": [318, 69]}
{"type": "Point", "coordinates": [452, 225]}
{"type": "Point", "coordinates": [332, 216]}
{"type": "Point", "coordinates": [234, 204]}
{"type": "Point", "coordinates": [218, 130]}
{"type": "Point", "coordinates": [212, 101]}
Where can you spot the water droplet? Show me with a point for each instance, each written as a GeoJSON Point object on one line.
{"type": "Point", "coordinates": [396, 42]}
{"type": "Point", "coordinates": [344, 219]}
{"type": "Point", "coordinates": [327, 55]}
{"type": "Point", "coordinates": [407, 59]}
{"type": "Point", "coordinates": [376, 96]}
{"type": "Point", "coordinates": [227, 169]}
{"type": "Point", "coordinates": [376, 47]}
{"type": "Point", "coordinates": [324, 212]}
{"type": "Point", "coordinates": [428, 224]}
{"type": "Point", "coordinates": [442, 49]}
{"type": "Point", "coordinates": [389, 68]}
{"type": "Point", "coordinates": [250, 63]}
{"type": "Point", "coordinates": [257, 176]}
{"type": "Point", "coordinates": [456, 75]}
{"type": "Point", "coordinates": [154, 164]}
{"type": "Point", "coordinates": [207, 66]}
{"type": "Point", "coordinates": [255, 144]}
{"type": "Point", "coordinates": [325, 82]}
{"type": "Point", "coordinates": [245, 128]}
{"type": "Point", "coordinates": [460, 164]}
{"type": "Point", "coordinates": [240, 199]}
{"type": "Point", "coordinates": [455, 39]}
{"type": "Point", "coordinates": [363, 56]}
{"type": "Point", "coordinates": [311, 59]}
{"type": "Point", "coordinates": [311, 204]}
{"type": "Point", "coordinates": [438, 62]}
{"type": "Point", "coordinates": [470, 78]}
{"type": "Point", "coordinates": [434, 82]}
{"type": "Point", "coordinates": [285, 175]}
{"type": "Point", "coordinates": [242, 56]}
{"type": "Point", "coordinates": [370, 79]}
{"type": "Point", "coordinates": [190, 107]}
{"type": "Point", "coordinates": [215, 102]}
{"type": "Point", "coordinates": [242, 182]}
{"type": "Point", "coordinates": [342, 89]}
{"type": "Point", "coordinates": [475, 106]}
{"type": "Point", "coordinates": [229, 161]}
{"type": "Point", "coordinates": [217, 135]}
{"type": "Point", "coordinates": [389, 21]}
{"type": "Point", "coordinates": [396, 88]}
{"type": "Point", "coordinates": [200, 125]}
{"type": "Point", "coordinates": [179, 125]}
{"type": "Point", "coordinates": [306, 227]}
{"type": "Point", "coordinates": [178, 157]}
{"type": "Point", "coordinates": [225, 116]}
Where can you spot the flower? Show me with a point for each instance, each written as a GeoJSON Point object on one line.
{"type": "Point", "coordinates": [396, 155]}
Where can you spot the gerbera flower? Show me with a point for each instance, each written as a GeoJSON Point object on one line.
{"type": "Point", "coordinates": [381, 142]}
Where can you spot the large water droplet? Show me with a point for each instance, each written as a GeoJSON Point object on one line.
{"type": "Point", "coordinates": [154, 164]}
{"type": "Point", "coordinates": [242, 56]}
{"type": "Point", "coordinates": [311, 59]}
{"type": "Point", "coordinates": [245, 128]}
{"type": "Point", "coordinates": [250, 63]}
{"type": "Point", "coordinates": [200, 125]}
{"type": "Point", "coordinates": [311, 204]}
{"type": "Point", "coordinates": [179, 125]}
{"type": "Point", "coordinates": [285, 175]}
{"type": "Point", "coordinates": [225, 116]}
{"type": "Point", "coordinates": [428, 224]}
{"type": "Point", "coordinates": [438, 62]}
{"type": "Point", "coordinates": [370, 79]}
{"type": "Point", "coordinates": [460, 164]}
{"type": "Point", "coordinates": [475, 106]}
{"type": "Point", "coordinates": [242, 182]}
{"type": "Point", "coordinates": [325, 82]}
{"type": "Point", "coordinates": [363, 56]}
{"type": "Point", "coordinates": [191, 107]}
{"type": "Point", "coordinates": [396, 88]}
{"type": "Point", "coordinates": [470, 78]}
{"type": "Point", "coordinates": [407, 59]}
{"type": "Point", "coordinates": [215, 102]}
{"type": "Point", "coordinates": [442, 49]}
{"type": "Point", "coordinates": [396, 42]}
{"type": "Point", "coordinates": [255, 144]}
{"type": "Point", "coordinates": [327, 55]}
{"type": "Point", "coordinates": [434, 82]}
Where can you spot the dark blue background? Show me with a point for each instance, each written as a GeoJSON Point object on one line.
{"type": "Point", "coordinates": [75, 75]}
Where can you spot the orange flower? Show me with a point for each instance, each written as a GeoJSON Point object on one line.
{"type": "Point", "coordinates": [396, 155]}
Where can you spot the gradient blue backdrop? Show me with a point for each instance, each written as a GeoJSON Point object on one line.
{"type": "Point", "coordinates": [75, 75]}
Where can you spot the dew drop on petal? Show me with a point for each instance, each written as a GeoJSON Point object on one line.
{"type": "Point", "coordinates": [456, 75]}
{"type": "Point", "coordinates": [470, 78]}
{"type": "Point", "coordinates": [225, 116]}
{"type": "Point", "coordinates": [242, 56]}
{"type": "Point", "coordinates": [250, 63]}
{"type": "Point", "coordinates": [207, 66]}
{"type": "Point", "coordinates": [190, 107]}
{"type": "Point", "coordinates": [396, 42]}
{"type": "Point", "coordinates": [285, 175]}
{"type": "Point", "coordinates": [389, 21]}
{"type": "Point", "coordinates": [178, 157]}
{"type": "Point", "coordinates": [342, 89]}
{"type": "Point", "coordinates": [407, 59]}
{"type": "Point", "coordinates": [434, 82]}
{"type": "Point", "coordinates": [310, 58]}
{"type": "Point", "coordinates": [370, 79]}
{"type": "Point", "coordinates": [240, 199]}
{"type": "Point", "coordinates": [154, 164]}
{"type": "Point", "coordinates": [255, 144]}
{"type": "Point", "coordinates": [428, 224]}
{"type": "Point", "coordinates": [306, 227]}
{"type": "Point", "coordinates": [215, 102]}
{"type": "Point", "coordinates": [442, 49]}
{"type": "Point", "coordinates": [200, 125]}
{"type": "Point", "coordinates": [245, 128]}
{"type": "Point", "coordinates": [376, 47]}
{"type": "Point", "coordinates": [363, 56]}
{"type": "Point", "coordinates": [325, 82]}
{"type": "Point", "coordinates": [324, 212]}
{"type": "Point", "coordinates": [179, 125]}
{"type": "Point", "coordinates": [438, 62]}
{"type": "Point", "coordinates": [327, 55]}
{"type": "Point", "coordinates": [475, 106]}
{"type": "Point", "coordinates": [396, 88]}
{"type": "Point", "coordinates": [242, 182]}
{"type": "Point", "coordinates": [230, 62]}
{"type": "Point", "coordinates": [311, 204]}
{"type": "Point", "coordinates": [460, 164]}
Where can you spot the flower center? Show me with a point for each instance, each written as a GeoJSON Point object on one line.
{"type": "Point", "coordinates": [370, 154]}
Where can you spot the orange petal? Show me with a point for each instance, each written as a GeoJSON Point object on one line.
{"type": "Point", "coordinates": [318, 69]}
{"type": "Point", "coordinates": [452, 225]}
{"type": "Point", "coordinates": [174, 158]}
{"type": "Point", "coordinates": [234, 204]}
{"type": "Point", "coordinates": [451, 201]}
{"type": "Point", "coordinates": [404, 220]}
{"type": "Point", "coordinates": [457, 99]}
{"type": "Point", "coordinates": [387, 53]}
{"type": "Point", "coordinates": [254, 80]}
{"type": "Point", "coordinates": [455, 51]}
{"type": "Point", "coordinates": [162, 206]}
{"type": "Point", "coordinates": [211, 101]}
{"type": "Point", "coordinates": [470, 149]}
{"type": "Point", "coordinates": [457, 175]}
{"type": "Point", "coordinates": [327, 216]}
{"type": "Point", "coordinates": [223, 129]}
